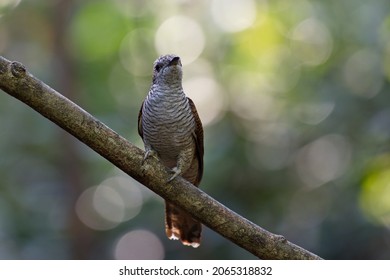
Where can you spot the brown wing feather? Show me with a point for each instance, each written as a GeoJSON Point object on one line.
{"type": "Point", "coordinates": [198, 137]}
{"type": "Point", "coordinates": [140, 130]}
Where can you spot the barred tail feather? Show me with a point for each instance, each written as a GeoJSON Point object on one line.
{"type": "Point", "coordinates": [180, 225]}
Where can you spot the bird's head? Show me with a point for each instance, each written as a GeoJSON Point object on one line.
{"type": "Point", "coordinates": [167, 70]}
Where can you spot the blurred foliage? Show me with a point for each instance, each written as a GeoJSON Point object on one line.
{"type": "Point", "coordinates": [293, 96]}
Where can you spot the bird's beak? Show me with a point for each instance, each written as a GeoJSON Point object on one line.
{"type": "Point", "coordinates": [175, 61]}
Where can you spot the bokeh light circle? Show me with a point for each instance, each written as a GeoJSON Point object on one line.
{"type": "Point", "coordinates": [87, 213]}
{"type": "Point", "coordinates": [139, 245]}
{"type": "Point", "coordinates": [233, 16]}
{"type": "Point", "coordinates": [312, 42]}
{"type": "Point", "coordinates": [206, 94]}
{"type": "Point", "coordinates": [180, 35]}
{"type": "Point", "coordinates": [363, 73]}
{"type": "Point", "coordinates": [323, 160]}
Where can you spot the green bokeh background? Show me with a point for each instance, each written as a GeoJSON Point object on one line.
{"type": "Point", "coordinates": [295, 101]}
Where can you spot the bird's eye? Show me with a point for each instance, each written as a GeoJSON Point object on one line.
{"type": "Point", "coordinates": [158, 67]}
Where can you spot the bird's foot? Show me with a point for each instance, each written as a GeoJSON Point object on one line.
{"type": "Point", "coordinates": [148, 154]}
{"type": "Point", "coordinates": [176, 172]}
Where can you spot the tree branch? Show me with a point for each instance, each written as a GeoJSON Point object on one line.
{"type": "Point", "coordinates": [16, 81]}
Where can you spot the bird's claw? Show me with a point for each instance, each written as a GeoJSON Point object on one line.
{"type": "Point", "coordinates": [151, 153]}
{"type": "Point", "coordinates": [148, 154]}
{"type": "Point", "coordinates": [176, 172]}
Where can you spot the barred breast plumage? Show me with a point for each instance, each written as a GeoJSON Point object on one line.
{"type": "Point", "coordinates": [170, 128]}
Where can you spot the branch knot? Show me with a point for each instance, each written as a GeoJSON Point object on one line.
{"type": "Point", "coordinates": [18, 69]}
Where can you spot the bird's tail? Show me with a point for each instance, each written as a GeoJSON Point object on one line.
{"type": "Point", "coordinates": [180, 225]}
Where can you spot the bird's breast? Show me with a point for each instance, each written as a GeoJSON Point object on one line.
{"type": "Point", "coordinates": [168, 124]}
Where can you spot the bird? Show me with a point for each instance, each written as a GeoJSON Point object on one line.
{"type": "Point", "coordinates": [172, 131]}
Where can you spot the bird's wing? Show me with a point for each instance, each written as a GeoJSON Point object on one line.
{"type": "Point", "coordinates": [198, 137]}
{"type": "Point", "coordinates": [140, 130]}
